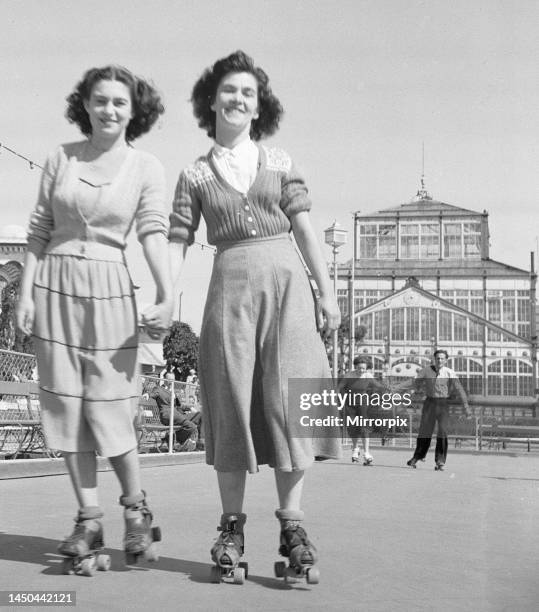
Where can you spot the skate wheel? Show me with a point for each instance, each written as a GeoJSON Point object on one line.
{"type": "Point", "coordinates": [151, 554]}
{"type": "Point", "coordinates": [290, 575]}
{"type": "Point", "coordinates": [279, 568]}
{"type": "Point", "coordinates": [103, 563]}
{"type": "Point", "coordinates": [131, 558]}
{"type": "Point", "coordinates": [238, 575]}
{"type": "Point", "coordinates": [245, 566]}
{"type": "Point", "coordinates": [88, 566]}
{"type": "Point", "coordinates": [68, 567]}
{"type": "Point", "coordinates": [313, 575]}
{"type": "Point", "coordinates": [156, 534]}
{"type": "Point", "coordinates": [215, 575]}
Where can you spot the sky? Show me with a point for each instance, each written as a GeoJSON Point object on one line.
{"type": "Point", "coordinates": [363, 83]}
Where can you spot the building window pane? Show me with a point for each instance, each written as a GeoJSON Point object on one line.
{"type": "Point", "coordinates": [494, 310]}
{"type": "Point", "coordinates": [446, 332]}
{"type": "Point", "coordinates": [453, 240]}
{"type": "Point", "coordinates": [397, 324]}
{"type": "Point", "coordinates": [367, 247]}
{"type": "Point", "coordinates": [366, 321]}
{"type": "Point", "coordinates": [387, 247]}
{"type": "Point", "coordinates": [412, 323]}
{"type": "Point", "coordinates": [476, 331]}
{"type": "Point", "coordinates": [381, 324]}
{"type": "Point", "coordinates": [476, 306]}
{"type": "Point", "coordinates": [461, 328]}
{"type": "Point", "coordinates": [508, 309]}
{"type": "Point", "coordinates": [377, 241]}
{"type": "Point", "coordinates": [410, 247]}
{"type": "Point", "coordinates": [430, 247]}
{"type": "Point", "coordinates": [472, 239]}
{"type": "Point", "coordinates": [428, 324]}
{"type": "Point", "coordinates": [494, 385]}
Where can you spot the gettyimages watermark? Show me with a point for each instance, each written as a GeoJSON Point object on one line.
{"type": "Point", "coordinates": [317, 408]}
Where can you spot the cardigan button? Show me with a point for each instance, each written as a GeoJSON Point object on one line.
{"type": "Point", "coordinates": [249, 219]}
{"type": "Point", "coordinates": [253, 232]}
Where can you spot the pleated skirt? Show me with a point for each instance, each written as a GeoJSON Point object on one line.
{"type": "Point", "coordinates": [85, 334]}
{"type": "Point", "coordinates": [258, 332]}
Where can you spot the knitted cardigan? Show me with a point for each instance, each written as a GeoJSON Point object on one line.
{"type": "Point", "coordinates": [277, 193]}
{"type": "Point", "coordinates": [74, 218]}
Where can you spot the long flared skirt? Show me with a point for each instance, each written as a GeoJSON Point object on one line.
{"type": "Point", "coordinates": [85, 334]}
{"type": "Point", "coordinates": [258, 332]}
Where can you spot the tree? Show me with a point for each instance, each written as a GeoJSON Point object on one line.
{"type": "Point", "coordinates": [11, 338]}
{"type": "Point", "coordinates": [360, 331]}
{"type": "Point", "coordinates": [180, 348]}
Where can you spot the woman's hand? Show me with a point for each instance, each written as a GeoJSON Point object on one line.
{"type": "Point", "coordinates": [157, 319]}
{"type": "Point", "coordinates": [331, 315]}
{"type": "Point", "coordinates": [25, 315]}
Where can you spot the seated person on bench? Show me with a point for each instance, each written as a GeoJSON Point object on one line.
{"type": "Point", "coordinates": [189, 421]}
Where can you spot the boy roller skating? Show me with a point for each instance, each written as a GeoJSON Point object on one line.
{"type": "Point", "coordinates": [360, 382]}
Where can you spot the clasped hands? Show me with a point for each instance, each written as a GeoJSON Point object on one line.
{"type": "Point", "coordinates": [156, 319]}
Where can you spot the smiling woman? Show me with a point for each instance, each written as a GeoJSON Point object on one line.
{"type": "Point", "coordinates": [260, 326]}
{"type": "Point", "coordinates": [77, 297]}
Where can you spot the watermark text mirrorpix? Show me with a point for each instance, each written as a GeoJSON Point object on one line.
{"type": "Point", "coordinates": [330, 399]}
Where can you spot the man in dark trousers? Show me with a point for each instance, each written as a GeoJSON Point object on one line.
{"type": "Point", "coordinates": [438, 382]}
{"type": "Point", "coordinates": [189, 422]}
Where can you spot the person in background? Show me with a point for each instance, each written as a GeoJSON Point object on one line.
{"type": "Point", "coordinates": [438, 382]}
{"type": "Point", "coordinates": [187, 420]}
{"type": "Point", "coordinates": [361, 384]}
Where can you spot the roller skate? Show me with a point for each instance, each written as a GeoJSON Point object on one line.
{"type": "Point", "coordinates": [439, 467]}
{"type": "Point", "coordinates": [140, 536]}
{"type": "Point", "coordinates": [355, 455]}
{"type": "Point", "coordinates": [228, 549]}
{"type": "Point", "coordinates": [83, 549]}
{"type": "Point", "coordinates": [367, 459]}
{"type": "Point", "coordinates": [412, 462]}
{"type": "Point", "coordinates": [296, 546]}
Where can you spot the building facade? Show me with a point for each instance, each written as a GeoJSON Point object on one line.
{"type": "Point", "coordinates": [423, 279]}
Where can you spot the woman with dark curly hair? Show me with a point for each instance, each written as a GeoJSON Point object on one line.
{"type": "Point", "coordinates": [259, 327]}
{"type": "Point", "coordinates": [77, 297]}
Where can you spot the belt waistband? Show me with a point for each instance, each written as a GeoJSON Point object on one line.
{"type": "Point", "coordinates": [223, 246]}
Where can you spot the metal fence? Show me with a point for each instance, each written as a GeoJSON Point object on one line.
{"type": "Point", "coordinates": [17, 367]}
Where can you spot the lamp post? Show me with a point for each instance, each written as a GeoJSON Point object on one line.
{"type": "Point", "coordinates": [335, 237]}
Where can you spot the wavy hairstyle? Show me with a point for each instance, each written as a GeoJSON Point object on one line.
{"type": "Point", "coordinates": [364, 360]}
{"type": "Point", "coordinates": [270, 110]}
{"type": "Point", "coordinates": [146, 102]}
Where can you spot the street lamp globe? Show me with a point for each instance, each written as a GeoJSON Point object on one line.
{"type": "Point", "coordinates": [335, 236]}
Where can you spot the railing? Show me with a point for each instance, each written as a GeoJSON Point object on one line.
{"type": "Point", "coordinates": [17, 367]}
{"type": "Point", "coordinates": [497, 424]}
{"type": "Point", "coordinates": [157, 431]}
{"type": "Point", "coordinates": [21, 433]}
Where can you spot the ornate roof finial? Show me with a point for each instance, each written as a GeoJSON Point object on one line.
{"type": "Point", "coordinates": [423, 194]}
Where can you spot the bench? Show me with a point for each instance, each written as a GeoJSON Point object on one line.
{"type": "Point", "coordinates": [21, 433]}
{"type": "Point", "coordinates": [498, 436]}
{"type": "Point", "coordinates": [152, 435]}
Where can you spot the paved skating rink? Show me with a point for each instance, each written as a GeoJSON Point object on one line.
{"type": "Point", "coordinates": [389, 538]}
